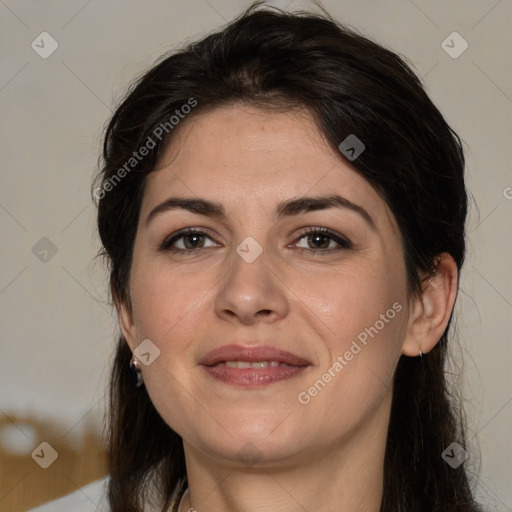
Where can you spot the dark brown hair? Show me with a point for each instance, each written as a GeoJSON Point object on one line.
{"type": "Point", "coordinates": [351, 85]}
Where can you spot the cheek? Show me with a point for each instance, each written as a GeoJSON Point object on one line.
{"type": "Point", "coordinates": [362, 316]}
{"type": "Point", "coordinates": [354, 381]}
{"type": "Point", "coordinates": [168, 309]}
{"type": "Point", "coordinates": [343, 304]}
{"type": "Point", "coordinates": [165, 303]}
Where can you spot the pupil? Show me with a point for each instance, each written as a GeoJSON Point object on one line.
{"type": "Point", "coordinates": [190, 237]}
{"type": "Point", "coordinates": [317, 238]}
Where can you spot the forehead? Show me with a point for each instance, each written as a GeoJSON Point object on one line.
{"type": "Point", "coordinates": [248, 158]}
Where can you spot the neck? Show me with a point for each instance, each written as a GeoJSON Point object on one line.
{"type": "Point", "coordinates": [346, 477]}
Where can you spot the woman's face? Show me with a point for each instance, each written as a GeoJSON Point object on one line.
{"type": "Point", "coordinates": [247, 276]}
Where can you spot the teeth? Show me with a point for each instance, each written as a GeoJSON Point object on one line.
{"type": "Point", "coordinates": [255, 364]}
{"type": "Point", "coordinates": [259, 364]}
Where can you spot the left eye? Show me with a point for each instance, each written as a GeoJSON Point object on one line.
{"type": "Point", "coordinates": [321, 240]}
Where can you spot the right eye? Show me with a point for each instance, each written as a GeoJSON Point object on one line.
{"type": "Point", "coordinates": [186, 241]}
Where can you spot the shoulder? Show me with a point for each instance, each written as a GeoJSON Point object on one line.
{"type": "Point", "coordinates": [90, 498]}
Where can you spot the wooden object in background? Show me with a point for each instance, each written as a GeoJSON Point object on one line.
{"type": "Point", "coordinates": [24, 484]}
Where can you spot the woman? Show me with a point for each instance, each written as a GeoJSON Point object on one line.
{"type": "Point", "coordinates": [282, 209]}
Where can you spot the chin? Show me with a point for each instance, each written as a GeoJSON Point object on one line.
{"type": "Point", "coordinates": [250, 451]}
{"type": "Point", "coordinates": [252, 439]}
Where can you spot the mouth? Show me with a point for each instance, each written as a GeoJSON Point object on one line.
{"type": "Point", "coordinates": [252, 366]}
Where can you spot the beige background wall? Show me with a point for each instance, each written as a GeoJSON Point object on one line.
{"type": "Point", "coordinates": [57, 330]}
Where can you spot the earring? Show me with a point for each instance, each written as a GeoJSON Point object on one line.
{"type": "Point", "coordinates": [421, 353]}
{"type": "Point", "coordinates": [136, 372]}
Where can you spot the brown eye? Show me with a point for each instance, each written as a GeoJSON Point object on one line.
{"type": "Point", "coordinates": [193, 241]}
{"type": "Point", "coordinates": [319, 241]}
{"type": "Point", "coordinates": [187, 241]}
{"type": "Point", "coordinates": [323, 240]}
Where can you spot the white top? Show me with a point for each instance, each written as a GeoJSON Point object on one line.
{"type": "Point", "coordinates": [91, 498]}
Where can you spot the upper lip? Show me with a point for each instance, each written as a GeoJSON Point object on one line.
{"type": "Point", "coordinates": [252, 354]}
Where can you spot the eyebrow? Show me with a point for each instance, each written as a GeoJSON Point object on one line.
{"type": "Point", "coordinates": [287, 208]}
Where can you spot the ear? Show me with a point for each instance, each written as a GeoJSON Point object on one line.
{"type": "Point", "coordinates": [431, 312]}
{"type": "Point", "coordinates": [127, 324]}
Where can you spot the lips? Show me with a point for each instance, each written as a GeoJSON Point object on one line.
{"type": "Point", "coordinates": [252, 366]}
{"type": "Point", "coordinates": [252, 355]}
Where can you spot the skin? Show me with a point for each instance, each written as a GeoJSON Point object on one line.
{"type": "Point", "coordinates": [326, 455]}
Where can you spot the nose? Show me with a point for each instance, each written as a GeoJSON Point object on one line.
{"type": "Point", "coordinates": [252, 291]}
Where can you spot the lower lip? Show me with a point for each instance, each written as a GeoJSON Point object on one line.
{"type": "Point", "coordinates": [252, 377]}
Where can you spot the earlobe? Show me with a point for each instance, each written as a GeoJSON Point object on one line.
{"type": "Point", "coordinates": [127, 325]}
{"type": "Point", "coordinates": [431, 312]}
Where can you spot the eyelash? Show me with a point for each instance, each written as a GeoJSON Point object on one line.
{"type": "Point", "coordinates": [344, 243]}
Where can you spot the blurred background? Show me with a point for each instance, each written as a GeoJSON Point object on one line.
{"type": "Point", "coordinates": [65, 65]}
